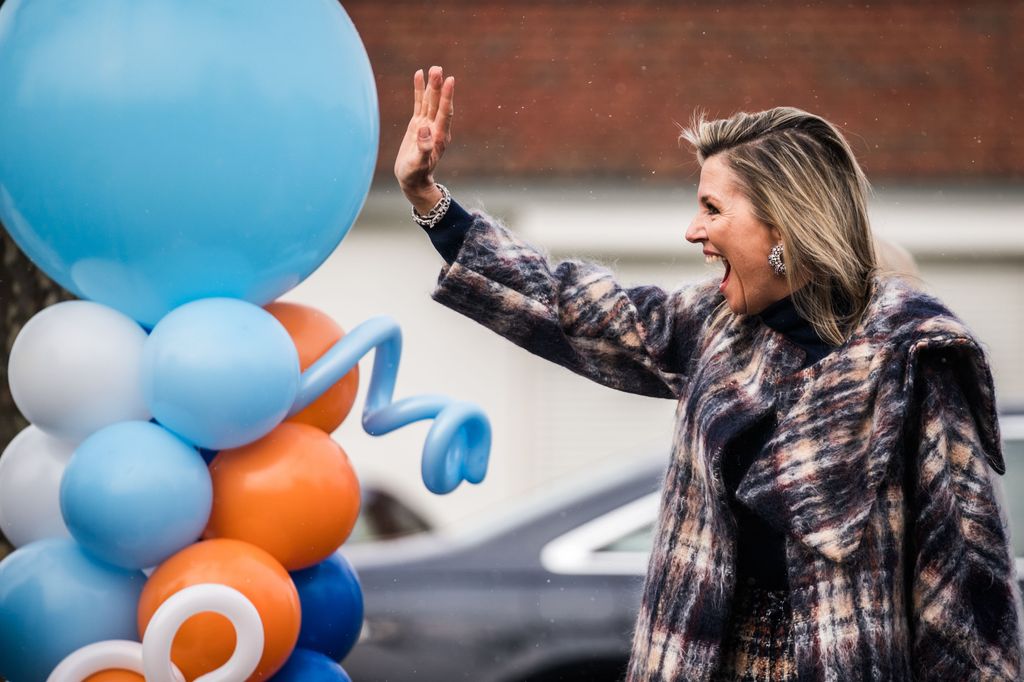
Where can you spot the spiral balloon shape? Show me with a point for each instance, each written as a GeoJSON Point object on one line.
{"type": "Point", "coordinates": [458, 443]}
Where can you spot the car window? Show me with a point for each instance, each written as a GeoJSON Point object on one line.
{"type": "Point", "coordinates": [640, 540]}
{"type": "Point", "coordinates": [1013, 491]}
{"type": "Point", "coordinates": [384, 517]}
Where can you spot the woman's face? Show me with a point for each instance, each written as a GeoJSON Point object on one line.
{"type": "Point", "coordinates": [726, 227]}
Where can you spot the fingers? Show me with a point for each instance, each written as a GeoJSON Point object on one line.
{"type": "Point", "coordinates": [417, 92]}
{"type": "Point", "coordinates": [433, 94]}
{"type": "Point", "coordinates": [433, 109]}
{"type": "Point", "coordinates": [446, 108]}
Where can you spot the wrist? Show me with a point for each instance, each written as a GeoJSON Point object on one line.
{"type": "Point", "coordinates": [432, 216]}
{"type": "Point", "coordinates": [423, 198]}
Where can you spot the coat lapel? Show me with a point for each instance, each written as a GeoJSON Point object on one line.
{"type": "Point", "coordinates": [736, 386]}
{"type": "Point", "coordinates": [816, 478]}
{"type": "Point", "coordinates": [842, 420]}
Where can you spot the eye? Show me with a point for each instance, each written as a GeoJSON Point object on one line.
{"type": "Point", "coordinates": [712, 209]}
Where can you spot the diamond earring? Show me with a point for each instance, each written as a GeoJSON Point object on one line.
{"type": "Point", "coordinates": [775, 260]}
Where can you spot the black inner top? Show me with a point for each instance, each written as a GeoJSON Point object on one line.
{"type": "Point", "coordinates": [761, 550]}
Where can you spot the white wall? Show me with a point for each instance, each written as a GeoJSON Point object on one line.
{"type": "Point", "coordinates": [549, 423]}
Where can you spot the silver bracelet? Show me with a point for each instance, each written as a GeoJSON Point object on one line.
{"type": "Point", "coordinates": [435, 214]}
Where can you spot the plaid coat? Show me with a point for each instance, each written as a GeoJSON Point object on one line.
{"type": "Point", "coordinates": [878, 472]}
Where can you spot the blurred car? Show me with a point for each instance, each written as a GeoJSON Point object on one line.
{"type": "Point", "coordinates": [546, 591]}
{"type": "Point", "coordinates": [1012, 427]}
{"type": "Point", "coordinates": [382, 516]}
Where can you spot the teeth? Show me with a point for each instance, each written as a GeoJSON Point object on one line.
{"type": "Point", "coordinates": [712, 258]}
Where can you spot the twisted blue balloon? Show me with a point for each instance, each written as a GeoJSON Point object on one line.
{"type": "Point", "coordinates": [459, 441]}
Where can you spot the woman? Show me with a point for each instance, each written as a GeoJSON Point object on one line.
{"type": "Point", "coordinates": [827, 512]}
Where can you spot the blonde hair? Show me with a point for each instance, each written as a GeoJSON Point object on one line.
{"type": "Point", "coordinates": [801, 177]}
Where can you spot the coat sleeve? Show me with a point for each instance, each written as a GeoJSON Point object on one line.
{"type": "Point", "coordinates": [640, 340]}
{"type": "Point", "coordinates": [965, 600]}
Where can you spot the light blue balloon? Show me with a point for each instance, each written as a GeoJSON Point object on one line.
{"type": "Point", "coordinates": [133, 494]}
{"type": "Point", "coordinates": [219, 372]}
{"type": "Point", "coordinates": [153, 152]}
{"type": "Point", "coordinates": [55, 599]}
{"type": "Point", "coordinates": [458, 444]}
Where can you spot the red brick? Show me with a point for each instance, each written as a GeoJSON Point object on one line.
{"type": "Point", "coordinates": [923, 89]}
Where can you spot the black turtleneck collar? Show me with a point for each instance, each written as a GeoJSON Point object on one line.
{"type": "Point", "coordinates": [783, 317]}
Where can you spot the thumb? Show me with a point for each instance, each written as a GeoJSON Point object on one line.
{"type": "Point", "coordinates": [424, 140]}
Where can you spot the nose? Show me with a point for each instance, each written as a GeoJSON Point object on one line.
{"type": "Point", "coordinates": [696, 233]}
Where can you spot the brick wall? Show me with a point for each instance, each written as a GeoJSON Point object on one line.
{"type": "Point", "coordinates": [924, 90]}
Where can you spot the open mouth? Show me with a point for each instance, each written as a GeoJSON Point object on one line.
{"type": "Point", "coordinates": [710, 258]}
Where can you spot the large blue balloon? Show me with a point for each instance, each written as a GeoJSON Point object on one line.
{"type": "Point", "coordinates": [219, 372]}
{"type": "Point", "coordinates": [55, 599]}
{"type": "Point", "coordinates": [133, 494]}
{"type": "Point", "coordinates": [309, 666]}
{"type": "Point", "coordinates": [153, 152]}
{"type": "Point", "coordinates": [332, 606]}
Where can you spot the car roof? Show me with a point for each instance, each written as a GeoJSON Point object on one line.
{"type": "Point", "coordinates": [532, 518]}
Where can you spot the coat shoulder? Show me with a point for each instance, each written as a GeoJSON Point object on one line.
{"type": "Point", "coordinates": [926, 336]}
{"type": "Point", "coordinates": [912, 319]}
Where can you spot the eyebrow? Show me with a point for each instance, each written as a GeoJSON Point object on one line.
{"type": "Point", "coordinates": [708, 199]}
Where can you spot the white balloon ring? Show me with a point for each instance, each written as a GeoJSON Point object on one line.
{"type": "Point", "coordinates": [228, 602]}
{"type": "Point", "coordinates": [152, 658]}
{"type": "Point", "coordinates": [113, 654]}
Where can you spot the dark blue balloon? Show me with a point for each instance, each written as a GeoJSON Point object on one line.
{"type": "Point", "coordinates": [309, 666]}
{"type": "Point", "coordinates": [332, 606]}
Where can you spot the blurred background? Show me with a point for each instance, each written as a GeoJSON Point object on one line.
{"type": "Point", "coordinates": [566, 126]}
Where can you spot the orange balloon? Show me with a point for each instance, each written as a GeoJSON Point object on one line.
{"type": "Point", "coordinates": [292, 493]}
{"type": "Point", "coordinates": [313, 333]}
{"type": "Point", "coordinates": [206, 641]}
{"type": "Point", "coordinates": [116, 676]}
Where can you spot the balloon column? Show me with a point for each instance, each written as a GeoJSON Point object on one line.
{"type": "Point", "coordinates": [177, 502]}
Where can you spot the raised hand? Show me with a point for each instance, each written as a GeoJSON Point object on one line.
{"type": "Point", "coordinates": [426, 138]}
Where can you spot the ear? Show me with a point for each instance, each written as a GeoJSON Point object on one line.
{"type": "Point", "coordinates": [776, 235]}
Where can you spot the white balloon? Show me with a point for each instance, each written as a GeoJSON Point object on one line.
{"type": "Point", "coordinates": [152, 658]}
{"type": "Point", "coordinates": [75, 368]}
{"type": "Point", "coordinates": [30, 472]}
{"type": "Point", "coordinates": [182, 605]}
{"type": "Point", "coordinates": [112, 654]}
